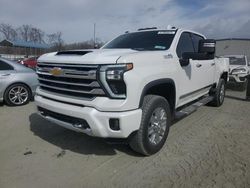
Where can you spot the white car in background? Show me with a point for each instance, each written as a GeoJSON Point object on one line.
{"type": "Point", "coordinates": [239, 68]}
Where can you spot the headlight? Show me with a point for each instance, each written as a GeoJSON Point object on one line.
{"type": "Point", "coordinates": [238, 71]}
{"type": "Point", "coordinates": [112, 79]}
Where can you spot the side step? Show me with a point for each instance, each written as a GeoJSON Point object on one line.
{"type": "Point", "coordinates": [189, 109]}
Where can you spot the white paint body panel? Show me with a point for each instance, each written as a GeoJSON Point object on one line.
{"type": "Point", "coordinates": [98, 121]}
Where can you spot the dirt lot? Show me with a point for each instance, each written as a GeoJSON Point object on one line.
{"type": "Point", "coordinates": [209, 148]}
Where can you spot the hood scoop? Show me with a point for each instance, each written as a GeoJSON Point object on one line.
{"type": "Point", "coordinates": [73, 52]}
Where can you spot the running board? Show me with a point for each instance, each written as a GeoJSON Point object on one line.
{"type": "Point", "coordinates": [187, 110]}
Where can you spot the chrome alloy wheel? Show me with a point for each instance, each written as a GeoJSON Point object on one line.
{"type": "Point", "coordinates": [157, 125]}
{"type": "Point", "coordinates": [18, 95]}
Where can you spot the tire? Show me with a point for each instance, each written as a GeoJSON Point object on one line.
{"type": "Point", "coordinates": [218, 94]}
{"type": "Point", "coordinates": [151, 137]}
{"type": "Point", "coordinates": [17, 95]}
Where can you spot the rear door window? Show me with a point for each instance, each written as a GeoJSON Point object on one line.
{"type": "Point", "coordinates": [5, 66]}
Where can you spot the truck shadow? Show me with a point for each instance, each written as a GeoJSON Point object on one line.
{"type": "Point", "coordinates": [75, 142]}
{"type": "Point", "coordinates": [237, 98]}
{"type": "Point", "coordinates": [237, 91]}
{"type": "Point", "coordinates": [233, 86]}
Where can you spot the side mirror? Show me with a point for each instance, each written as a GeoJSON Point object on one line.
{"type": "Point", "coordinates": [184, 62]}
{"type": "Point", "coordinates": [207, 46]}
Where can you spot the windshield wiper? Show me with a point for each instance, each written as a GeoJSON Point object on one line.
{"type": "Point", "coordinates": [146, 49]}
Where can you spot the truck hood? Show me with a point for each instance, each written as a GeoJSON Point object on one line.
{"type": "Point", "coordinates": [89, 56]}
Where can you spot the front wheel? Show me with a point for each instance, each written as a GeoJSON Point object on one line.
{"type": "Point", "coordinates": [219, 94]}
{"type": "Point", "coordinates": [154, 128]}
{"type": "Point", "coordinates": [17, 94]}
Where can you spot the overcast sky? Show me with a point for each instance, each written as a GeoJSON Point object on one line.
{"type": "Point", "coordinates": [75, 18]}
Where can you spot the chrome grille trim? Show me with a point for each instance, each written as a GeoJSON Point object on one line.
{"type": "Point", "coordinates": [67, 65]}
{"type": "Point", "coordinates": [78, 81]}
{"type": "Point", "coordinates": [92, 84]}
{"type": "Point", "coordinates": [93, 91]}
{"type": "Point", "coordinates": [69, 74]}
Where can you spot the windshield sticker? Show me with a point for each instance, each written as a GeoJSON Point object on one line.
{"type": "Point", "coordinates": [160, 47]}
{"type": "Point", "coordinates": [166, 32]}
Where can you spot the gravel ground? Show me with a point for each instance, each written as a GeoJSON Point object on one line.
{"type": "Point", "coordinates": [209, 148]}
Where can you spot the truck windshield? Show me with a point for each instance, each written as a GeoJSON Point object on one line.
{"type": "Point", "coordinates": [237, 61]}
{"type": "Point", "coordinates": [146, 40]}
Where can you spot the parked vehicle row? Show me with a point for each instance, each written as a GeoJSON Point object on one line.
{"type": "Point", "coordinates": [133, 87]}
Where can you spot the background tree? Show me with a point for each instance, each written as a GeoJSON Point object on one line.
{"type": "Point", "coordinates": [24, 32]}
{"type": "Point", "coordinates": [55, 40]}
{"type": "Point", "coordinates": [30, 33]}
{"type": "Point", "coordinates": [36, 35]}
{"type": "Point", "coordinates": [8, 31]}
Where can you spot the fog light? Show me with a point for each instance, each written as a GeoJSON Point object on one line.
{"type": "Point", "coordinates": [78, 125]}
{"type": "Point", "coordinates": [114, 124]}
{"type": "Point", "coordinates": [81, 125]}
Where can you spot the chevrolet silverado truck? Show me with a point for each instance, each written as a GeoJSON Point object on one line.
{"type": "Point", "coordinates": [133, 86]}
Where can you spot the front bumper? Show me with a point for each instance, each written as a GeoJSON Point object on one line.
{"type": "Point", "coordinates": [129, 121]}
{"type": "Point", "coordinates": [237, 78]}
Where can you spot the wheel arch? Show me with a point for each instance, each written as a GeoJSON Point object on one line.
{"type": "Point", "coordinates": [224, 76]}
{"type": "Point", "coordinates": [163, 87]}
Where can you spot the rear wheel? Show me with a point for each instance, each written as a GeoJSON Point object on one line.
{"type": "Point", "coordinates": [17, 94]}
{"type": "Point", "coordinates": [218, 94]}
{"type": "Point", "coordinates": [154, 128]}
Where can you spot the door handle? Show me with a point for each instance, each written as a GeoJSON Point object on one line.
{"type": "Point", "coordinates": [212, 64]}
{"type": "Point", "coordinates": [198, 65]}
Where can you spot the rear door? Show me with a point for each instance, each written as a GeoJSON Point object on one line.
{"type": "Point", "coordinates": [205, 68]}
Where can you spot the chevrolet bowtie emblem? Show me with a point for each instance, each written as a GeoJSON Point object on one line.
{"type": "Point", "coordinates": [56, 71]}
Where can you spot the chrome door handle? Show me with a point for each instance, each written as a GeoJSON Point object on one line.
{"type": "Point", "coordinates": [198, 65]}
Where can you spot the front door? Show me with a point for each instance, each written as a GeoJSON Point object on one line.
{"type": "Point", "coordinates": [196, 78]}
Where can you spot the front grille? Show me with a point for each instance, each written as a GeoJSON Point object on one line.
{"type": "Point", "coordinates": [70, 80]}
{"type": "Point", "coordinates": [64, 118]}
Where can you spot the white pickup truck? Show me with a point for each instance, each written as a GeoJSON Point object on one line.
{"type": "Point", "coordinates": [132, 87]}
